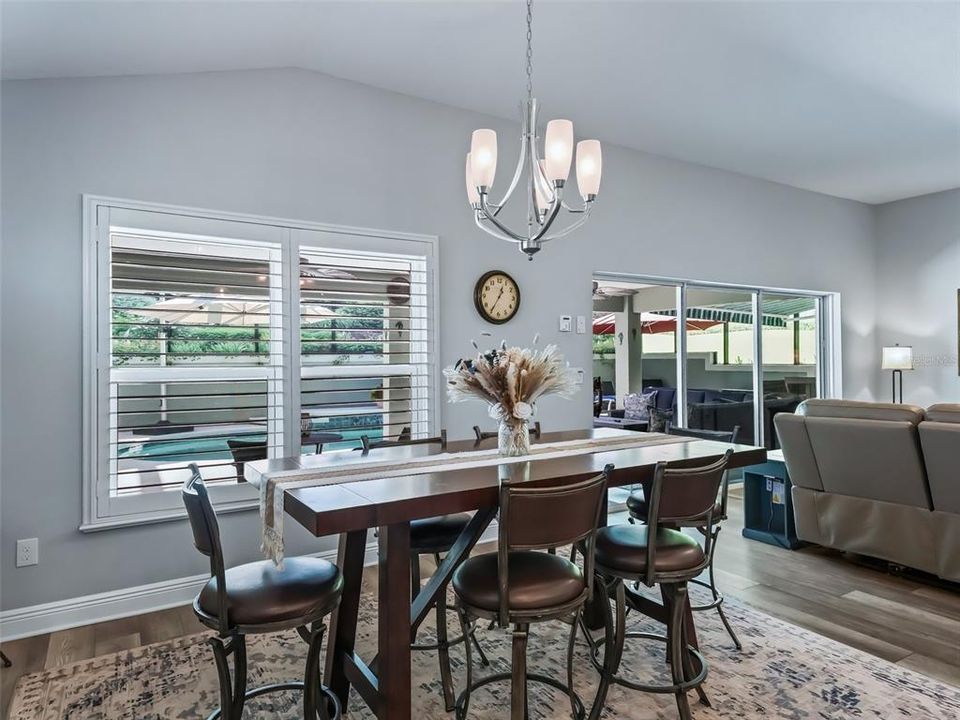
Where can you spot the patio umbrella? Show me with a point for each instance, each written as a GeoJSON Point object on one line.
{"type": "Point", "coordinates": [650, 324]}
{"type": "Point", "coordinates": [224, 313]}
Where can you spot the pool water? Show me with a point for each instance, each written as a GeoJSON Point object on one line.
{"type": "Point", "coordinates": [187, 449]}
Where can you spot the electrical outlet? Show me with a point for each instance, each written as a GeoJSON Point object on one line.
{"type": "Point", "coordinates": [28, 552]}
{"type": "Point", "coordinates": [769, 484]}
{"type": "Point", "coordinates": [581, 325]}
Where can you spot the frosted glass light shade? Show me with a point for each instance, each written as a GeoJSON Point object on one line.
{"type": "Point", "coordinates": [558, 149]}
{"type": "Point", "coordinates": [897, 358]}
{"type": "Point", "coordinates": [589, 167]}
{"type": "Point", "coordinates": [483, 157]}
{"type": "Point", "coordinates": [473, 197]}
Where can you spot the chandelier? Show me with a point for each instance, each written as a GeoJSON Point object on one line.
{"type": "Point", "coordinates": [546, 175]}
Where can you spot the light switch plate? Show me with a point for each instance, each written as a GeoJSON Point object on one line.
{"type": "Point", "coordinates": [566, 323]}
{"type": "Point", "coordinates": [581, 325]}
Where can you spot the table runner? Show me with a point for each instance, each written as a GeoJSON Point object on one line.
{"type": "Point", "coordinates": [272, 489]}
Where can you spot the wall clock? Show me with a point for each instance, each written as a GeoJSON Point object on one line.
{"type": "Point", "coordinates": [496, 297]}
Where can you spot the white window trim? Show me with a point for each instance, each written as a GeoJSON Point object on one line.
{"type": "Point", "coordinates": [292, 233]}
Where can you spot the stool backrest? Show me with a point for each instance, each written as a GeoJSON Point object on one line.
{"type": "Point", "coordinates": [731, 436]}
{"type": "Point", "coordinates": [245, 451]}
{"type": "Point", "coordinates": [487, 434]}
{"type": "Point", "coordinates": [683, 496]}
{"type": "Point", "coordinates": [536, 517]}
{"type": "Point", "coordinates": [206, 534]}
{"type": "Point", "coordinates": [369, 444]}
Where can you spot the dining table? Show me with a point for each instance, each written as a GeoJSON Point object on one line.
{"type": "Point", "coordinates": [352, 507]}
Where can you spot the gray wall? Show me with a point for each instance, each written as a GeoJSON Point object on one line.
{"type": "Point", "coordinates": [918, 275]}
{"type": "Point", "coordinates": [296, 144]}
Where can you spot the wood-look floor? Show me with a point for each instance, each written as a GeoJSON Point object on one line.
{"type": "Point", "coordinates": [896, 618]}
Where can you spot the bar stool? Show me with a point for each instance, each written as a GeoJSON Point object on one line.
{"type": "Point", "coordinates": [659, 554]}
{"type": "Point", "coordinates": [255, 598]}
{"type": "Point", "coordinates": [637, 507]}
{"type": "Point", "coordinates": [244, 451]}
{"type": "Point", "coordinates": [433, 536]}
{"type": "Point", "coordinates": [519, 586]}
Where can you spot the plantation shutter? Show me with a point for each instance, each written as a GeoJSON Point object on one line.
{"type": "Point", "coordinates": [195, 343]}
{"type": "Point", "coordinates": [365, 346]}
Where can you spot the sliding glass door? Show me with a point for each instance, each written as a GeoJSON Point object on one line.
{"type": "Point", "coordinates": [740, 355]}
{"type": "Point", "coordinates": [791, 354]}
{"type": "Point", "coordinates": [720, 361]}
{"type": "Point", "coordinates": [634, 341]}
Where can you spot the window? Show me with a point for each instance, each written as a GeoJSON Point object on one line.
{"type": "Point", "coordinates": [364, 361]}
{"type": "Point", "coordinates": [217, 340]}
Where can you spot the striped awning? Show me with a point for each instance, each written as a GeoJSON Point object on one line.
{"type": "Point", "coordinates": [776, 311]}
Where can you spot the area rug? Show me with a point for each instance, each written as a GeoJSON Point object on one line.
{"type": "Point", "coordinates": [783, 672]}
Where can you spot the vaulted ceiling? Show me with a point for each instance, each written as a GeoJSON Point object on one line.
{"type": "Point", "coordinates": [854, 99]}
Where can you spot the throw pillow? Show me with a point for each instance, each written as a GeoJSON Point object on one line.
{"type": "Point", "coordinates": [637, 406]}
{"type": "Point", "coordinates": [657, 419]}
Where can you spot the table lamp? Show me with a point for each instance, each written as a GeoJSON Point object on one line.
{"type": "Point", "coordinates": [897, 359]}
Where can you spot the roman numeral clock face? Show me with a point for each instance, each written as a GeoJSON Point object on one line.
{"type": "Point", "coordinates": [497, 297]}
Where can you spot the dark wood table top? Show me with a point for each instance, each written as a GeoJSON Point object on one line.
{"type": "Point", "coordinates": [353, 505]}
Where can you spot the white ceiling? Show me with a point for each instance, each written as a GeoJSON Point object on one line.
{"type": "Point", "coordinates": [854, 99]}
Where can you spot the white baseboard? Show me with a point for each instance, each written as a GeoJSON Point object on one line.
{"type": "Point", "coordinates": [88, 609]}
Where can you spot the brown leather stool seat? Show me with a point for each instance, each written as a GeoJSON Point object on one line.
{"type": "Point", "coordinates": [436, 534]}
{"type": "Point", "coordinates": [637, 506]}
{"type": "Point", "coordinates": [536, 580]}
{"type": "Point", "coordinates": [623, 548]}
{"type": "Point", "coordinates": [259, 593]}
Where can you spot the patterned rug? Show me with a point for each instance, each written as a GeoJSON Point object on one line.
{"type": "Point", "coordinates": [783, 672]}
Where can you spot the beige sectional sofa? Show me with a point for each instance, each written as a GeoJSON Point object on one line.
{"type": "Point", "coordinates": [877, 479]}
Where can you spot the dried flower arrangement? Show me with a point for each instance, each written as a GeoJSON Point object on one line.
{"type": "Point", "coordinates": [511, 380]}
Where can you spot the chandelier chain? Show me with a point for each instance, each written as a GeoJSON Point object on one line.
{"type": "Point", "coordinates": [529, 49]}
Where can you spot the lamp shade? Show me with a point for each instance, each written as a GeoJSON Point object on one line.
{"type": "Point", "coordinates": [483, 157]}
{"type": "Point", "coordinates": [897, 357]}
{"type": "Point", "coordinates": [473, 197]}
{"type": "Point", "coordinates": [589, 167]}
{"type": "Point", "coordinates": [558, 149]}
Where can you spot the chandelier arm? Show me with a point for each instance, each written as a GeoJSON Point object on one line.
{"type": "Point", "coordinates": [496, 223]}
{"type": "Point", "coordinates": [492, 231]}
{"type": "Point", "coordinates": [575, 211]}
{"type": "Point", "coordinates": [546, 187]}
{"type": "Point", "coordinates": [517, 174]}
{"type": "Point", "coordinates": [548, 220]}
{"type": "Point", "coordinates": [570, 228]}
